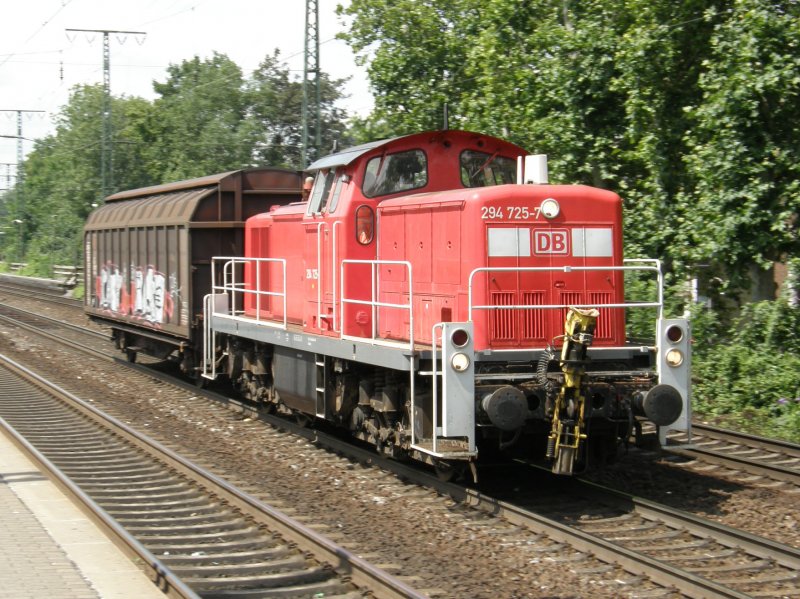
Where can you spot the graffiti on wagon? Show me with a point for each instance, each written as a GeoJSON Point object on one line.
{"type": "Point", "coordinates": [140, 292]}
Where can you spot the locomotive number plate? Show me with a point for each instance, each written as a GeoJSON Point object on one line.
{"type": "Point", "coordinates": [509, 212]}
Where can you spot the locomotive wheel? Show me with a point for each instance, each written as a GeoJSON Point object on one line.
{"type": "Point", "coordinates": [130, 355]}
{"type": "Point", "coordinates": [302, 420]}
{"type": "Point", "coordinates": [448, 471]}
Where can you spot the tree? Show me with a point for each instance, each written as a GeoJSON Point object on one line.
{"type": "Point", "coordinates": [744, 157]}
{"type": "Point", "coordinates": [275, 102]}
{"type": "Point", "coordinates": [622, 94]}
{"type": "Point", "coordinates": [415, 53]}
{"type": "Point", "coordinates": [62, 179]}
{"type": "Point", "coordinates": [208, 119]}
{"type": "Point", "coordinates": [198, 125]}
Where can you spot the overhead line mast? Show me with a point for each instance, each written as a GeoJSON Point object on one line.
{"type": "Point", "coordinates": [311, 67]}
{"type": "Point", "coordinates": [107, 140]}
{"type": "Point", "coordinates": [20, 160]}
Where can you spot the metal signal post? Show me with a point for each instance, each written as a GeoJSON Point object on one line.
{"type": "Point", "coordinates": [311, 67]}
{"type": "Point", "coordinates": [107, 143]}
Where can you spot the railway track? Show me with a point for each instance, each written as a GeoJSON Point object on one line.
{"type": "Point", "coordinates": [197, 534]}
{"type": "Point", "coordinates": [698, 557]}
{"type": "Point", "coordinates": [56, 330]}
{"type": "Point", "coordinates": [675, 553]}
{"type": "Point", "coordinates": [667, 552]}
{"type": "Point", "coordinates": [757, 456]}
{"type": "Point", "coordinates": [54, 296]}
{"type": "Point", "coordinates": [713, 447]}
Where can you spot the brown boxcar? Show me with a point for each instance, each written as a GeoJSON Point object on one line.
{"type": "Point", "coordinates": [148, 254]}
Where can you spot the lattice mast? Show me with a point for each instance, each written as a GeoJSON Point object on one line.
{"type": "Point", "coordinates": [311, 83]}
{"type": "Point", "coordinates": [107, 135]}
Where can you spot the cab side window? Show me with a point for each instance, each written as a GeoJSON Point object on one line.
{"type": "Point", "coordinates": [341, 179]}
{"type": "Point", "coordinates": [321, 190]}
{"type": "Point", "coordinates": [395, 173]}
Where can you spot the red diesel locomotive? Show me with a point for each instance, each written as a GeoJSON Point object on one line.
{"type": "Point", "coordinates": [434, 295]}
{"type": "Point", "coordinates": [420, 297]}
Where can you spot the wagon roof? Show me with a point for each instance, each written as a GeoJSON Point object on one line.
{"type": "Point", "coordinates": [177, 203]}
{"type": "Point", "coordinates": [225, 180]}
{"type": "Point", "coordinates": [166, 208]}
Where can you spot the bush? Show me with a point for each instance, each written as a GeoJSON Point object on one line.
{"type": "Point", "coordinates": [751, 374]}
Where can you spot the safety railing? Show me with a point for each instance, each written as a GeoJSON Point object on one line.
{"type": "Point", "coordinates": [209, 338]}
{"type": "Point", "coordinates": [233, 285]}
{"type": "Point", "coordinates": [435, 426]}
{"type": "Point", "coordinates": [67, 274]}
{"type": "Point", "coordinates": [374, 303]}
{"type": "Point", "coordinates": [334, 246]}
{"type": "Point", "coordinates": [632, 265]}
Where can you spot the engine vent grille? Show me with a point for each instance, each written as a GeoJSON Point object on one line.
{"type": "Point", "coordinates": [603, 328]}
{"type": "Point", "coordinates": [502, 321]}
{"type": "Point", "coordinates": [533, 321]}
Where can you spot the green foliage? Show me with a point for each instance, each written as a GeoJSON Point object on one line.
{"type": "Point", "coordinates": [209, 118]}
{"type": "Point", "coordinates": [690, 109]}
{"type": "Point", "coordinates": [752, 370]}
{"type": "Point", "coordinates": [198, 124]}
{"type": "Point", "coordinates": [79, 292]}
{"type": "Point", "coordinates": [744, 157]}
{"type": "Point", "coordinates": [275, 124]}
{"type": "Point", "coordinates": [62, 179]}
{"type": "Point", "coordinates": [415, 54]}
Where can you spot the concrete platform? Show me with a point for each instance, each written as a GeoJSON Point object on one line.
{"type": "Point", "coordinates": [49, 549]}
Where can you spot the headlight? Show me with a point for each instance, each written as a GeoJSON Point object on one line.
{"type": "Point", "coordinates": [674, 358]}
{"type": "Point", "coordinates": [460, 362]}
{"type": "Point", "coordinates": [550, 208]}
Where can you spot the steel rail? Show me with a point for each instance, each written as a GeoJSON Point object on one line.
{"type": "Point", "coordinates": [632, 561]}
{"type": "Point", "coordinates": [765, 443]}
{"type": "Point", "coordinates": [39, 294]}
{"type": "Point", "coordinates": [784, 555]}
{"type": "Point", "coordinates": [156, 570]}
{"type": "Point", "coordinates": [359, 571]}
{"type": "Point", "coordinates": [764, 466]}
{"type": "Point", "coordinates": [61, 323]}
{"type": "Point", "coordinates": [67, 342]}
{"type": "Point", "coordinates": [734, 462]}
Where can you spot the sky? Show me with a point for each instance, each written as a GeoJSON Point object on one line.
{"type": "Point", "coordinates": [40, 61]}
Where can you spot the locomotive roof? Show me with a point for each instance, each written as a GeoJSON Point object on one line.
{"type": "Point", "coordinates": [348, 155]}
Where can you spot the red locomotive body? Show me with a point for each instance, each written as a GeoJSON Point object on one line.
{"type": "Point", "coordinates": [472, 251]}
{"type": "Point", "coordinates": [339, 222]}
{"type": "Point", "coordinates": [420, 295]}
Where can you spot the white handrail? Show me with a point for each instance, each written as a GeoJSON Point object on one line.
{"type": "Point", "coordinates": [435, 384]}
{"type": "Point", "coordinates": [333, 274]}
{"type": "Point", "coordinates": [229, 285]}
{"type": "Point", "coordinates": [209, 340]}
{"type": "Point", "coordinates": [645, 265]}
{"type": "Point", "coordinates": [320, 226]}
{"type": "Point", "coordinates": [374, 303]}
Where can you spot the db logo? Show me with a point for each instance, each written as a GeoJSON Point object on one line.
{"type": "Point", "coordinates": [551, 241]}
